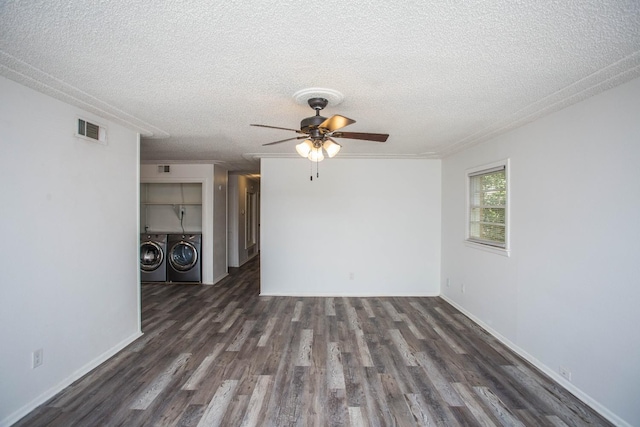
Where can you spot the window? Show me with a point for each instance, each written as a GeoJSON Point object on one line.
{"type": "Point", "coordinates": [488, 203]}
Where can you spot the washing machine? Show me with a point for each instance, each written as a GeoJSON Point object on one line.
{"type": "Point", "coordinates": [183, 257]}
{"type": "Point", "coordinates": [153, 257]}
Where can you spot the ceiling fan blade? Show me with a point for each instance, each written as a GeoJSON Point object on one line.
{"type": "Point", "coordinates": [334, 123]}
{"type": "Point", "coordinates": [377, 137]}
{"type": "Point", "coordinates": [276, 127]}
{"type": "Point", "coordinates": [284, 140]}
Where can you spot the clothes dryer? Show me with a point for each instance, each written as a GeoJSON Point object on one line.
{"type": "Point", "coordinates": [153, 257]}
{"type": "Point", "coordinates": [183, 263]}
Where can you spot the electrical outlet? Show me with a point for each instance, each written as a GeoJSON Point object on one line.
{"type": "Point", "coordinates": [565, 372]}
{"type": "Point", "coordinates": [182, 210]}
{"type": "Point", "coordinates": [352, 276]}
{"type": "Point", "coordinates": [37, 358]}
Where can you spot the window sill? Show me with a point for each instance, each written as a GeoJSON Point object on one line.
{"type": "Point", "coordinates": [488, 248]}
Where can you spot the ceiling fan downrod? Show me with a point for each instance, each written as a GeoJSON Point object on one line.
{"type": "Point", "coordinates": [310, 124]}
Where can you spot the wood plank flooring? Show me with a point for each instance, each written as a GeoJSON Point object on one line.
{"type": "Point", "coordinates": [224, 356]}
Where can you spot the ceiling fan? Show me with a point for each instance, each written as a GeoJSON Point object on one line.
{"type": "Point", "coordinates": [318, 133]}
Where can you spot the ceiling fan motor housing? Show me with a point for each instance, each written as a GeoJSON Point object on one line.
{"type": "Point", "coordinates": [310, 124]}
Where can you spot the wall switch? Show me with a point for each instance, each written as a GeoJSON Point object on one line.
{"type": "Point", "coordinates": [565, 373]}
{"type": "Point", "coordinates": [447, 282]}
{"type": "Point", "coordinates": [37, 358]}
{"type": "Point", "coordinates": [462, 288]}
{"type": "Point", "coordinates": [352, 276]}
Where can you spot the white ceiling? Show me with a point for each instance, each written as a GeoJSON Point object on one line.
{"type": "Point", "coordinates": [191, 75]}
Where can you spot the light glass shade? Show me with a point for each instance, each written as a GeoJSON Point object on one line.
{"type": "Point", "coordinates": [304, 148]}
{"type": "Point", "coordinates": [331, 147]}
{"type": "Point", "coordinates": [316, 155]}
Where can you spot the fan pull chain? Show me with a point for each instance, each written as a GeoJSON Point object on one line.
{"type": "Point", "coordinates": [310, 171]}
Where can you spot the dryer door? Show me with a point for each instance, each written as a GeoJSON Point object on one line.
{"type": "Point", "coordinates": [183, 256]}
{"type": "Point", "coordinates": [151, 256]}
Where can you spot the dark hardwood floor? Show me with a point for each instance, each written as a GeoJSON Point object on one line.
{"type": "Point", "coordinates": [223, 356]}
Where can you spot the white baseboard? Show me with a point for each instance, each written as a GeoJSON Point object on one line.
{"type": "Point", "coordinates": [240, 264]}
{"type": "Point", "coordinates": [217, 279]}
{"type": "Point", "coordinates": [345, 295]}
{"type": "Point", "coordinates": [597, 406]}
{"type": "Point", "coordinates": [250, 258]}
{"type": "Point", "coordinates": [20, 413]}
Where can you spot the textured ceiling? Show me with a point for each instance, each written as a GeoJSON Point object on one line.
{"type": "Point", "coordinates": [191, 75]}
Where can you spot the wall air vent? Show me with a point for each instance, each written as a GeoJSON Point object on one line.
{"type": "Point", "coordinates": [92, 131]}
{"type": "Point", "coordinates": [164, 168]}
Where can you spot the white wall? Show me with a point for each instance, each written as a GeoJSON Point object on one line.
{"type": "Point", "coordinates": [376, 219]}
{"type": "Point", "coordinates": [69, 269]}
{"type": "Point", "coordinates": [161, 204]}
{"type": "Point", "coordinates": [568, 296]}
{"type": "Point", "coordinates": [220, 190]}
{"type": "Point", "coordinates": [204, 174]}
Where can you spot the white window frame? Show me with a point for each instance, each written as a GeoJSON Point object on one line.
{"type": "Point", "coordinates": [506, 251]}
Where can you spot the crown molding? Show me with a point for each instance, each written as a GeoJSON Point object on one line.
{"type": "Point", "coordinates": [26, 74]}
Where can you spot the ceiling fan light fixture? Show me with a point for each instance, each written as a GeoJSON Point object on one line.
{"type": "Point", "coordinates": [304, 148]}
{"type": "Point", "coordinates": [316, 155]}
{"type": "Point", "coordinates": [331, 148]}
